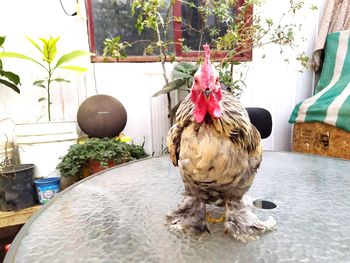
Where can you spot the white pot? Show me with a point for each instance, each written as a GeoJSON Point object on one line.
{"type": "Point", "coordinates": [43, 143]}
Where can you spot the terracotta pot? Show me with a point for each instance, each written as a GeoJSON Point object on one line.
{"type": "Point", "coordinates": [95, 167]}
{"type": "Point", "coordinates": [68, 181]}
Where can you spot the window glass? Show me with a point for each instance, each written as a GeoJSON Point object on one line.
{"type": "Point", "coordinates": [111, 18]}
{"type": "Point", "coordinates": [197, 30]}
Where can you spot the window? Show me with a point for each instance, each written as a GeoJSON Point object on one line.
{"type": "Point", "coordinates": [110, 18]}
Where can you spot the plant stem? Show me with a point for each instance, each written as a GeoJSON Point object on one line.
{"type": "Point", "coordinates": [165, 76]}
{"type": "Point", "coordinates": [48, 94]}
{"type": "Point", "coordinates": [163, 59]}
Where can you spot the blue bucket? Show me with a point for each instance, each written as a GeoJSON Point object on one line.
{"type": "Point", "coordinates": [47, 188]}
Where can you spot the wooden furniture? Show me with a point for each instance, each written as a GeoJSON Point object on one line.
{"type": "Point", "coordinates": [17, 218]}
{"type": "Point", "coordinates": [322, 139]}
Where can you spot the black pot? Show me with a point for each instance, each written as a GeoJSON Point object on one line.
{"type": "Point", "coordinates": [16, 187]}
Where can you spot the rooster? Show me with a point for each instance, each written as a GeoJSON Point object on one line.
{"type": "Point", "coordinates": [218, 152]}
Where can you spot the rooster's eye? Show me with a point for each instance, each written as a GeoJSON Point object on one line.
{"type": "Point", "coordinates": [217, 81]}
{"type": "Point", "coordinates": [196, 81]}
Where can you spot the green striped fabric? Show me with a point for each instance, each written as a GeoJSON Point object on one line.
{"type": "Point", "coordinates": [331, 102]}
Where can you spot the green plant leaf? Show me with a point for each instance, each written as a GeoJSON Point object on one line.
{"type": "Point", "coordinates": [11, 76]}
{"type": "Point", "coordinates": [19, 56]}
{"type": "Point", "coordinates": [45, 49]}
{"type": "Point", "coordinates": [239, 82]}
{"type": "Point", "coordinates": [60, 80]}
{"type": "Point", "coordinates": [71, 56]}
{"type": "Point", "coordinates": [100, 150]}
{"type": "Point", "coordinates": [41, 99]}
{"type": "Point", "coordinates": [74, 68]}
{"type": "Point", "coordinates": [173, 85]}
{"type": "Point", "coordinates": [50, 48]}
{"type": "Point", "coordinates": [181, 75]}
{"type": "Point", "coordinates": [39, 83]}
{"type": "Point", "coordinates": [10, 85]}
{"type": "Point", "coordinates": [2, 40]}
{"type": "Point", "coordinates": [184, 70]}
{"type": "Point", "coordinates": [185, 66]}
{"type": "Point", "coordinates": [35, 44]}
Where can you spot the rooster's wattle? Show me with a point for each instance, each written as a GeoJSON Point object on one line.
{"type": "Point", "coordinates": [218, 152]}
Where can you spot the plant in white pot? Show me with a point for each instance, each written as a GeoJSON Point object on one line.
{"type": "Point", "coordinates": [36, 139]}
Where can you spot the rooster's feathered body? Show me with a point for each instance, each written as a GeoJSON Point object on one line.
{"type": "Point", "coordinates": [218, 152]}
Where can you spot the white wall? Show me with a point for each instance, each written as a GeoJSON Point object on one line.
{"type": "Point", "coordinates": [40, 18]}
{"type": "Point", "coordinates": [134, 84]}
{"type": "Point", "coordinates": [276, 85]}
{"type": "Point", "coordinates": [272, 84]}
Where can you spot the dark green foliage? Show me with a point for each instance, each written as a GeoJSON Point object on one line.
{"type": "Point", "coordinates": [182, 78]}
{"type": "Point", "coordinates": [8, 78]}
{"type": "Point", "coordinates": [115, 47]}
{"type": "Point", "coordinates": [102, 150]}
{"type": "Point", "coordinates": [136, 151]}
{"type": "Point", "coordinates": [228, 82]}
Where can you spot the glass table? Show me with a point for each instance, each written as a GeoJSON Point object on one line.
{"type": "Point", "coordinates": [118, 216]}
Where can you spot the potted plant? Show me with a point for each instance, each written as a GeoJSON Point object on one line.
{"type": "Point", "coordinates": [36, 139]}
{"type": "Point", "coordinates": [16, 182]}
{"type": "Point", "coordinates": [94, 155]}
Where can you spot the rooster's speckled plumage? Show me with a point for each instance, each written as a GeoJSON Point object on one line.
{"type": "Point", "coordinates": [218, 152]}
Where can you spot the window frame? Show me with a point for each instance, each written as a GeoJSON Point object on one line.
{"type": "Point", "coordinates": [180, 55]}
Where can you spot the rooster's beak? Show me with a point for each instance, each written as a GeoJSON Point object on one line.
{"type": "Point", "coordinates": [207, 93]}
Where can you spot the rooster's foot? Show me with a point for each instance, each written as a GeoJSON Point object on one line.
{"type": "Point", "coordinates": [189, 217]}
{"type": "Point", "coordinates": [243, 224]}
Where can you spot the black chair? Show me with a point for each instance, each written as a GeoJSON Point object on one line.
{"type": "Point", "coordinates": [261, 119]}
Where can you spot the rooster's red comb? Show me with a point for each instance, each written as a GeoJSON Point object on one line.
{"type": "Point", "coordinates": [206, 54]}
{"type": "Point", "coordinates": [206, 67]}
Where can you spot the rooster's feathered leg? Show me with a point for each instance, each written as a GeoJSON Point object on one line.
{"type": "Point", "coordinates": [189, 216]}
{"type": "Point", "coordinates": [242, 223]}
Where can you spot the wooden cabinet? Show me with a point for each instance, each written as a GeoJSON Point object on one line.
{"type": "Point", "coordinates": [322, 139]}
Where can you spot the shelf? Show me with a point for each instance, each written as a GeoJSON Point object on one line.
{"type": "Point", "coordinates": [17, 218]}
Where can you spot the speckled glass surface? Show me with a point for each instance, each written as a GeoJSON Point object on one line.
{"type": "Point", "coordinates": [118, 216]}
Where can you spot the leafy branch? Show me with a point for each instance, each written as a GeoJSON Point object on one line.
{"type": "Point", "coordinates": [225, 25]}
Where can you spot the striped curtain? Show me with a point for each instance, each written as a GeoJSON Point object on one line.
{"type": "Point", "coordinates": [331, 102]}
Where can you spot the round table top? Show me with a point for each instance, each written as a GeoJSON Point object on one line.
{"type": "Point", "coordinates": [118, 216]}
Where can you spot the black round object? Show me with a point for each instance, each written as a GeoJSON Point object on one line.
{"type": "Point", "coordinates": [262, 120]}
{"type": "Point", "coordinates": [102, 116]}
